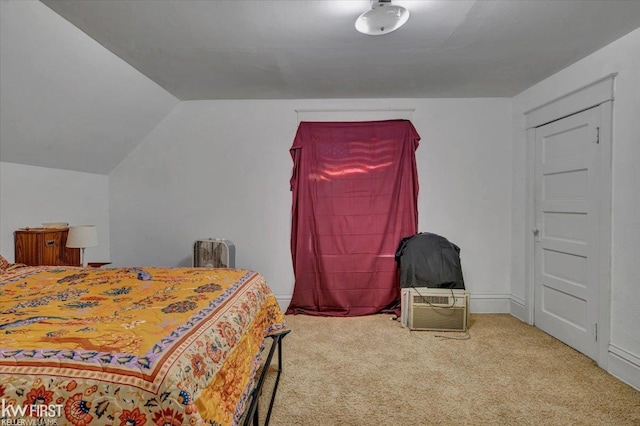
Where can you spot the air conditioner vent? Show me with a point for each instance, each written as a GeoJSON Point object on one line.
{"type": "Point", "coordinates": [432, 300]}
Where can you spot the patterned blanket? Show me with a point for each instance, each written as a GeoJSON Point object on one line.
{"type": "Point", "coordinates": [131, 346]}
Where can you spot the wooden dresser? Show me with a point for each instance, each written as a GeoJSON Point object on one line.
{"type": "Point", "coordinates": [44, 246]}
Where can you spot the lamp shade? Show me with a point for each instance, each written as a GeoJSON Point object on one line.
{"type": "Point", "coordinates": [82, 236]}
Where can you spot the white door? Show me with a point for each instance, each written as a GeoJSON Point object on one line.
{"type": "Point", "coordinates": [566, 266]}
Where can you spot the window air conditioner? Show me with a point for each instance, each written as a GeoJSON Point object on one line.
{"type": "Point", "coordinates": [435, 309]}
{"type": "Point", "coordinates": [214, 253]}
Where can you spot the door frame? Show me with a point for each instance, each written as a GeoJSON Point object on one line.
{"type": "Point", "coordinates": [600, 94]}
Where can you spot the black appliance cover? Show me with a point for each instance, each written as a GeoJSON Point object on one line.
{"type": "Point", "coordinates": [429, 260]}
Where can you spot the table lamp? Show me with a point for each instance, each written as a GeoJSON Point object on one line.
{"type": "Point", "coordinates": [82, 237]}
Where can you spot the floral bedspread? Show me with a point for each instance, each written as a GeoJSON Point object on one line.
{"type": "Point", "coordinates": [131, 346]}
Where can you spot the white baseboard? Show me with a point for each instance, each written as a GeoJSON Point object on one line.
{"type": "Point", "coordinates": [625, 366]}
{"type": "Point", "coordinates": [489, 303]}
{"type": "Point", "coordinates": [480, 303]}
{"type": "Point", "coordinates": [283, 301]}
{"type": "Point", "coordinates": [518, 309]}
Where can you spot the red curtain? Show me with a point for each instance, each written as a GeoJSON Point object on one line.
{"type": "Point", "coordinates": [355, 191]}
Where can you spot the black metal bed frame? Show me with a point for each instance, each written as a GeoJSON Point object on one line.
{"type": "Point", "coordinates": [252, 414]}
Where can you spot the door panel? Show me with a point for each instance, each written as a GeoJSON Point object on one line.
{"type": "Point", "coordinates": [564, 307]}
{"type": "Point", "coordinates": [567, 185]}
{"type": "Point", "coordinates": [566, 276]}
{"type": "Point", "coordinates": [565, 226]}
{"type": "Point", "coordinates": [566, 143]}
{"type": "Point", "coordinates": [560, 265]}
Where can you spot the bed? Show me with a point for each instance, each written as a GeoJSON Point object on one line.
{"type": "Point", "coordinates": [134, 346]}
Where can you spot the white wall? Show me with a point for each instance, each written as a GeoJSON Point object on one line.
{"type": "Point", "coordinates": [32, 195]}
{"type": "Point", "coordinates": [222, 168]}
{"type": "Point", "coordinates": [623, 57]}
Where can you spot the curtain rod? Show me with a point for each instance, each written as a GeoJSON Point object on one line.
{"type": "Point", "coordinates": [358, 110]}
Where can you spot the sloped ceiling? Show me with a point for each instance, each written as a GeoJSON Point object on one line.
{"type": "Point", "coordinates": [83, 82]}
{"type": "Point", "coordinates": [66, 102]}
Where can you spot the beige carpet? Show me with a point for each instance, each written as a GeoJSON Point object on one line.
{"type": "Point", "coordinates": [370, 371]}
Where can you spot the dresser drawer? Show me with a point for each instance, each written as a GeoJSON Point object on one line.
{"type": "Point", "coordinates": [43, 246]}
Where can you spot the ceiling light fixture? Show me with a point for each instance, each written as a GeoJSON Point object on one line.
{"type": "Point", "coordinates": [383, 18]}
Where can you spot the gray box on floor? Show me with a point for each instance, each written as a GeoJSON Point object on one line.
{"type": "Point", "coordinates": [435, 309]}
{"type": "Point", "coordinates": [214, 253]}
